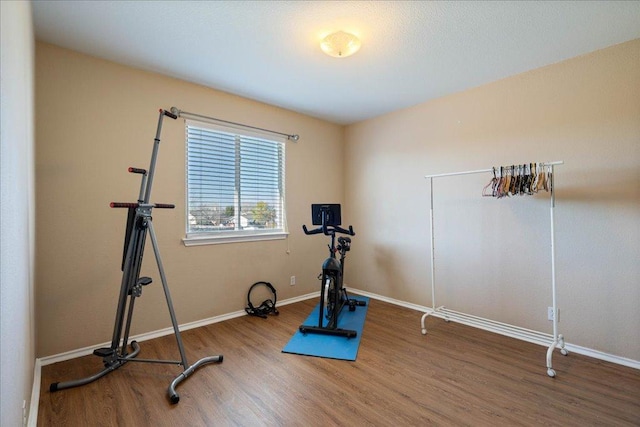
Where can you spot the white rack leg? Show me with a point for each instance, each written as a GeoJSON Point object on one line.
{"type": "Point", "coordinates": [423, 328]}
{"type": "Point", "coordinates": [433, 262]}
{"type": "Point", "coordinates": [558, 339]}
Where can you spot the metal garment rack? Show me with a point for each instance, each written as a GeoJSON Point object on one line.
{"type": "Point", "coordinates": [557, 340]}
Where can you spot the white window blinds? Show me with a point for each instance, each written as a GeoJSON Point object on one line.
{"type": "Point", "coordinates": [235, 182]}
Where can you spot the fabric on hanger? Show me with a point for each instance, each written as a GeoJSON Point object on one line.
{"type": "Point", "coordinates": [534, 174]}
{"type": "Point", "coordinates": [542, 178]}
{"type": "Point", "coordinates": [512, 186]}
{"type": "Point", "coordinates": [507, 181]}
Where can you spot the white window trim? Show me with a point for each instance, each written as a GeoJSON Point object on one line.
{"type": "Point", "coordinates": [208, 239]}
{"type": "Point", "coordinates": [202, 239]}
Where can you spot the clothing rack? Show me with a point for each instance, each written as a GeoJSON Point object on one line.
{"type": "Point", "coordinates": [557, 340]}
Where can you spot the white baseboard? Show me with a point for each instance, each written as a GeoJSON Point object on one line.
{"type": "Point", "coordinates": [597, 354]}
{"type": "Point", "coordinates": [35, 392]}
{"type": "Point", "coordinates": [389, 300]}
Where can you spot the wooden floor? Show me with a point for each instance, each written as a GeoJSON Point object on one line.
{"type": "Point", "coordinates": [456, 375]}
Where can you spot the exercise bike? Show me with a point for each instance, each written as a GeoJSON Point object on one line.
{"type": "Point", "coordinates": [333, 295]}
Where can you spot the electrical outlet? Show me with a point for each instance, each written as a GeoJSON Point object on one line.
{"type": "Point", "coordinates": [293, 280]}
{"type": "Point", "coordinates": [550, 314]}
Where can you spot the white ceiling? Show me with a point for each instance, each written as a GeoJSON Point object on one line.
{"type": "Point", "coordinates": [412, 51]}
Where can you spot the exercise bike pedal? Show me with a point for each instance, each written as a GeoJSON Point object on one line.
{"type": "Point", "coordinates": [354, 303]}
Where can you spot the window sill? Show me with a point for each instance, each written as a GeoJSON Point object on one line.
{"type": "Point", "coordinates": [216, 240]}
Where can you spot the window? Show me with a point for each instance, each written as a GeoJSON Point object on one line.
{"type": "Point", "coordinates": [235, 185]}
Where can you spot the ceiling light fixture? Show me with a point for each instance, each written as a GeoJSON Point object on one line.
{"type": "Point", "coordinates": [340, 44]}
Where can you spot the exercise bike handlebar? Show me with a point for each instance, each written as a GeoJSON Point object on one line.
{"type": "Point", "coordinates": [329, 230]}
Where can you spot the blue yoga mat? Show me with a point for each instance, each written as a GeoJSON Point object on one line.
{"type": "Point", "coordinates": [333, 347]}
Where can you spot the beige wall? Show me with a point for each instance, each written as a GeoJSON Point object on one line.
{"type": "Point", "coordinates": [493, 256]}
{"type": "Point", "coordinates": [94, 120]}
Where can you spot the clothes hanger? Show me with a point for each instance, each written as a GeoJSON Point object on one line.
{"type": "Point", "coordinates": [492, 184]}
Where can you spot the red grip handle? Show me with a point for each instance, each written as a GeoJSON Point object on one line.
{"type": "Point", "coordinates": [137, 170]}
{"type": "Point", "coordinates": [123, 205]}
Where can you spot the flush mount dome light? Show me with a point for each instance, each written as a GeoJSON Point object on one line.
{"type": "Point", "coordinates": [340, 44]}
